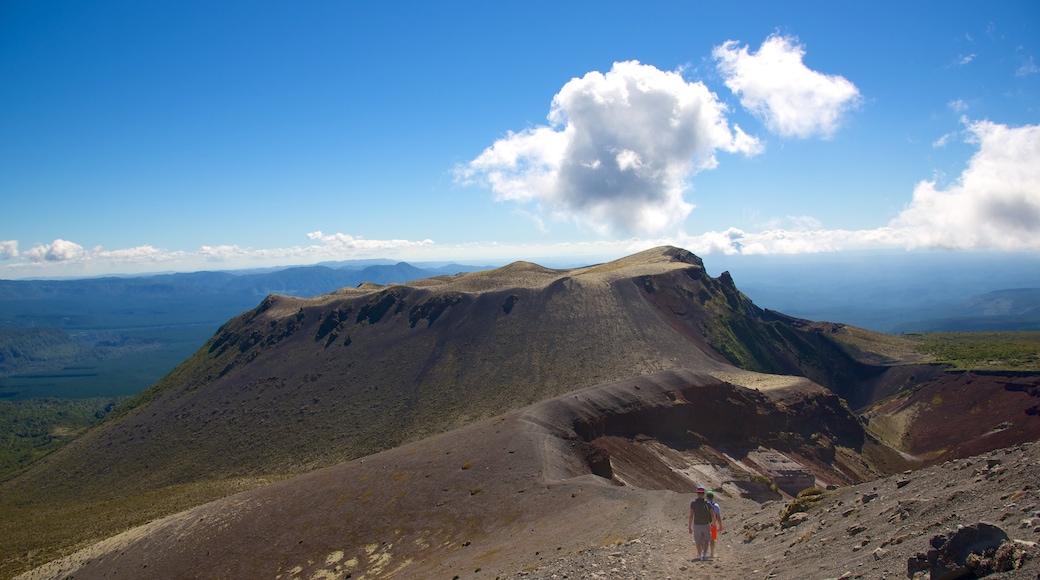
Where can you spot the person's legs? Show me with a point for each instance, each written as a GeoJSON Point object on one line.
{"type": "Point", "coordinates": [701, 537]}
{"type": "Point", "coordinates": [711, 542]}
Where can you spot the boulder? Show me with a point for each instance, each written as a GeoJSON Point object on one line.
{"type": "Point", "coordinates": [958, 553]}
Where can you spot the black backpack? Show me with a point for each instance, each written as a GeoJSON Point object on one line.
{"type": "Point", "coordinates": [701, 511]}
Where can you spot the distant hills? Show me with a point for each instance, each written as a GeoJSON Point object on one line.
{"type": "Point", "coordinates": [1015, 309]}
{"type": "Point", "coordinates": [889, 292]}
{"type": "Point", "coordinates": [115, 336]}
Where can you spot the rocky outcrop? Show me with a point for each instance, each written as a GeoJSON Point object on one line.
{"type": "Point", "coordinates": [972, 551]}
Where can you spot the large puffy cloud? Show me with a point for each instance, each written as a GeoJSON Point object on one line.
{"type": "Point", "coordinates": [57, 251]}
{"type": "Point", "coordinates": [995, 203]}
{"type": "Point", "coordinates": [776, 86]}
{"type": "Point", "coordinates": [619, 150]}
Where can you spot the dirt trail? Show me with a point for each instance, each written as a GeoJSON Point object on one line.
{"type": "Point", "coordinates": [869, 530]}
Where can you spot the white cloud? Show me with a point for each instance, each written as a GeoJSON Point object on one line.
{"type": "Point", "coordinates": [780, 241]}
{"type": "Point", "coordinates": [8, 249]}
{"type": "Point", "coordinates": [618, 153]}
{"type": "Point", "coordinates": [137, 254]}
{"type": "Point", "coordinates": [995, 203]}
{"type": "Point", "coordinates": [74, 260]}
{"type": "Point", "coordinates": [963, 60]}
{"type": "Point", "coordinates": [57, 251]}
{"type": "Point", "coordinates": [340, 242]}
{"type": "Point", "coordinates": [958, 105]}
{"type": "Point", "coordinates": [776, 86]}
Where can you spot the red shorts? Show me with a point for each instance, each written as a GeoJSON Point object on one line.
{"type": "Point", "coordinates": [714, 533]}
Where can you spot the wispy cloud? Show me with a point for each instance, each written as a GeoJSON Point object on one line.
{"type": "Point", "coordinates": [958, 105]}
{"type": "Point", "coordinates": [776, 86]}
{"type": "Point", "coordinates": [617, 153]}
{"type": "Point", "coordinates": [1027, 68]}
{"type": "Point", "coordinates": [943, 140]}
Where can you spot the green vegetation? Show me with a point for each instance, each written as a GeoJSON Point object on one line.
{"type": "Point", "coordinates": [33, 428]}
{"type": "Point", "coordinates": [1004, 351]}
{"type": "Point", "coordinates": [36, 531]}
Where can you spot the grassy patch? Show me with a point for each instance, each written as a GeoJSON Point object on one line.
{"type": "Point", "coordinates": [1004, 351]}
{"type": "Point", "coordinates": [32, 428]}
{"type": "Point", "coordinates": [64, 525]}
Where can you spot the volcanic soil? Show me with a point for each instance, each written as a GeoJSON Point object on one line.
{"type": "Point", "coordinates": [518, 496]}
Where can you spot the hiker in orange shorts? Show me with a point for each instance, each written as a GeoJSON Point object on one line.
{"type": "Point", "coordinates": [716, 520]}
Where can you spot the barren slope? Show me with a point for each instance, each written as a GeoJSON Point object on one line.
{"type": "Point", "coordinates": [498, 495]}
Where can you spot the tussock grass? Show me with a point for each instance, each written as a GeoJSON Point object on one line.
{"type": "Point", "coordinates": [806, 500]}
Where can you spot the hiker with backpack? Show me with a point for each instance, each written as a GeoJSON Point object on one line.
{"type": "Point", "coordinates": [716, 520]}
{"type": "Point", "coordinates": [701, 517]}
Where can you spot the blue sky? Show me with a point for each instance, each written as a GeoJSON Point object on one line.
{"type": "Point", "coordinates": [176, 136]}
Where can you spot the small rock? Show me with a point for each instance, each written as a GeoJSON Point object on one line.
{"type": "Point", "coordinates": [868, 497]}
{"type": "Point", "coordinates": [795, 519]}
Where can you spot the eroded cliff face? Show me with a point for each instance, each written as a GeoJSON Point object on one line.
{"type": "Point", "coordinates": [680, 429]}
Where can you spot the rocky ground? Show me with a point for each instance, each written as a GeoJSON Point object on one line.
{"type": "Point", "coordinates": [511, 498]}
{"type": "Point", "coordinates": [871, 530]}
